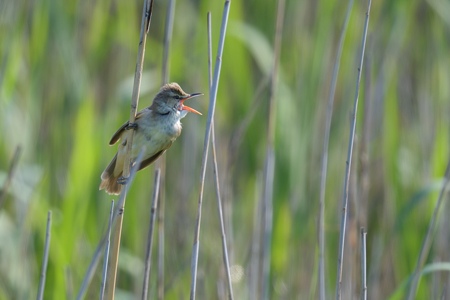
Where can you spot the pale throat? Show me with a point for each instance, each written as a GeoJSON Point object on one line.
{"type": "Point", "coordinates": [183, 114]}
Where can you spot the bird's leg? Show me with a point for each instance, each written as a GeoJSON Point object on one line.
{"type": "Point", "coordinates": [131, 126]}
{"type": "Point", "coordinates": [122, 180]}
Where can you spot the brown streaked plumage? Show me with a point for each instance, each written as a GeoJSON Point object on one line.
{"type": "Point", "coordinates": [156, 128]}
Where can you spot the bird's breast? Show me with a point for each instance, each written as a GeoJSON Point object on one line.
{"type": "Point", "coordinates": [169, 128]}
{"type": "Point", "coordinates": [155, 134]}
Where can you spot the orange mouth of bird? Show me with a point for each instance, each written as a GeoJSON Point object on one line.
{"type": "Point", "coordinates": [188, 108]}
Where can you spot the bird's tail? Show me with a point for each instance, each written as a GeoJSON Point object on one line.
{"type": "Point", "coordinates": [109, 181]}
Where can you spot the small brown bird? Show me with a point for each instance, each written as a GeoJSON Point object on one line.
{"type": "Point", "coordinates": [156, 128]}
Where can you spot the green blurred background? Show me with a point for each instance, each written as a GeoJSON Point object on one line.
{"type": "Point", "coordinates": [66, 72]}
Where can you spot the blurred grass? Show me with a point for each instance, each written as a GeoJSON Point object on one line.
{"type": "Point", "coordinates": [64, 89]}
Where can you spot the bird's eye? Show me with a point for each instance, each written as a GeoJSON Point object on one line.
{"type": "Point", "coordinates": [177, 97]}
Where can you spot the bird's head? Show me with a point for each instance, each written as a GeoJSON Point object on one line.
{"type": "Point", "coordinates": [170, 98]}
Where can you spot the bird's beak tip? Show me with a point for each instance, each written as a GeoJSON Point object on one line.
{"type": "Point", "coordinates": [194, 95]}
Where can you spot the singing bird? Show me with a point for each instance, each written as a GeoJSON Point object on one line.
{"type": "Point", "coordinates": [156, 128]}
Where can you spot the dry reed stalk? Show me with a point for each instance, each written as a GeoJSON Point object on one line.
{"type": "Point", "coordinates": [148, 256]}
{"type": "Point", "coordinates": [117, 232]}
{"type": "Point", "coordinates": [363, 236]}
{"type": "Point", "coordinates": [216, 172]}
{"type": "Point", "coordinates": [161, 162]}
{"type": "Point", "coordinates": [269, 164]}
{"type": "Point", "coordinates": [106, 256]}
{"type": "Point", "coordinates": [212, 106]}
{"type": "Point", "coordinates": [425, 249]}
{"type": "Point", "coordinates": [41, 287]}
{"type": "Point", "coordinates": [349, 160]}
{"type": "Point", "coordinates": [324, 158]}
{"type": "Point", "coordinates": [98, 251]}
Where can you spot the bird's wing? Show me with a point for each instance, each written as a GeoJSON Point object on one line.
{"type": "Point", "coordinates": [116, 136]}
{"type": "Point", "coordinates": [147, 162]}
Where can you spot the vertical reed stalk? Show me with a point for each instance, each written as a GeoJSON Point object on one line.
{"type": "Point", "coordinates": [161, 162]}
{"type": "Point", "coordinates": [363, 264]}
{"type": "Point", "coordinates": [106, 256]}
{"type": "Point", "coordinates": [41, 287]}
{"type": "Point", "coordinates": [269, 168]}
{"type": "Point", "coordinates": [97, 254]}
{"type": "Point", "coordinates": [324, 159]}
{"type": "Point", "coordinates": [349, 160]}
{"type": "Point", "coordinates": [212, 106]}
{"type": "Point", "coordinates": [145, 25]}
{"type": "Point", "coordinates": [148, 256]}
{"type": "Point", "coordinates": [216, 171]}
{"type": "Point", "coordinates": [425, 249]}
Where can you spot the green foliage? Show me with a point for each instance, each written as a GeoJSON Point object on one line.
{"type": "Point", "coordinates": [66, 70]}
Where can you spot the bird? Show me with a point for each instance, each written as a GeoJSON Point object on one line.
{"type": "Point", "coordinates": [156, 128]}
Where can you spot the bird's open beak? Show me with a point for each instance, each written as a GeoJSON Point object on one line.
{"type": "Point", "coordinates": [187, 108]}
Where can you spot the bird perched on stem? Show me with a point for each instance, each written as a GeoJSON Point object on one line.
{"type": "Point", "coordinates": [156, 128]}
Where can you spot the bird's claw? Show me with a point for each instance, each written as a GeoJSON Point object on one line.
{"type": "Point", "coordinates": [122, 180]}
{"type": "Point", "coordinates": [131, 126]}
